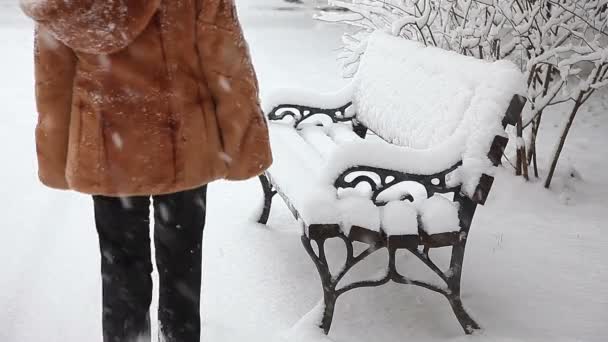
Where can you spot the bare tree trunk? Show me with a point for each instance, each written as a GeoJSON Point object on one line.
{"type": "Point", "coordinates": [536, 124]}
{"type": "Point", "coordinates": [522, 162]}
{"type": "Point", "coordinates": [562, 140]}
{"type": "Point", "coordinates": [583, 96]}
{"type": "Point", "coordinates": [532, 151]}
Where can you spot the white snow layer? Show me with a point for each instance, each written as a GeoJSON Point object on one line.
{"type": "Point", "coordinates": [439, 215]}
{"type": "Point", "coordinates": [360, 212]}
{"type": "Point", "coordinates": [296, 171]}
{"type": "Point", "coordinates": [307, 328]}
{"type": "Point", "coordinates": [400, 218]}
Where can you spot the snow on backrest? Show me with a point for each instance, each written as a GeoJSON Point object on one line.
{"type": "Point", "coordinates": [418, 97]}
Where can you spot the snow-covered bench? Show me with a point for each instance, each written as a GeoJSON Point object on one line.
{"type": "Point", "coordinates": [436, 124]}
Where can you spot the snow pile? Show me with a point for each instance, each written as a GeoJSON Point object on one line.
{"type": "Point", "coordinates": [360, 212]}
{"type": "Point", "coordinates": [297, 172]}
{"type": "Point", "coordinates": [439, 215]}
{"type": "Point", "coordinates": [307, 329]}
{"type": "Point", "coordinates": [342, 134]}
{"type": "Point", "coordinates": [396, 192]}
{"type": "Point", "coordinates": [399, 218]}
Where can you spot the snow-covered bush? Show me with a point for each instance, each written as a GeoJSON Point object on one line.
{"type": "Point", "coordinates": [561, 45]}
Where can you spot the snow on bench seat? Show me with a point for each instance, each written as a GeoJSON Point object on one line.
{"type": "Point", "coordinates": [319, 140]}
{"type": "Point", "coordinates": [438, 215]}
{"type": "Point", "coordinates": [298, 170]}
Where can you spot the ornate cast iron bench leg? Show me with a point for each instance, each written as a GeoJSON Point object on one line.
{"type": "Point", "coordinates": [269, 193]}
{"type": "Point", "coordinates": [330, 283]}
{"type": "Point", "coordinates": [331, 291]}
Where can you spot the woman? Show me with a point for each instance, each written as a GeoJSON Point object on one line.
{"type": "Point", "coordinates": [140, 99]}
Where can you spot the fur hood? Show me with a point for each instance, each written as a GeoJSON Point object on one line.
{"type": "Point", "coordinates": [93, 26]}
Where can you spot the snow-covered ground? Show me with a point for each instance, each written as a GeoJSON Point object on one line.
{"type": "Point", "coordinates": [536, 268]}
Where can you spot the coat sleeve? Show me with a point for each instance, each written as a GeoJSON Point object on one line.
{"type": "Point", "coordinates": [233, 85]}
{"type": "Point", "coordinates": [55, 66]}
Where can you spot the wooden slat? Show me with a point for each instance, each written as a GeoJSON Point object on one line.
{"type": "Point", "coordinates": [403, 241]}
{"type": "Point", "coordinates": [439, 240]}
{"type": "Point", "coordinates": [365, 235]}
{"type": "Point", "coordinates": [514, 111]}
{"type": "Point", "coordinates": [497, 149]}
{"type": "Point", "coordinates": [483, 189]}
{"type": "Point", "coordinates": [323, 231]}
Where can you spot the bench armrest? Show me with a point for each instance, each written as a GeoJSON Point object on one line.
{"type": "Point", "coordinates": [392, 185]}
{"type": "Point", "coordinates": [307, 106]}
{"type": "Point", "coordinates": [383, 165]}
{"type": "Point", "coordinates": [438, 169]}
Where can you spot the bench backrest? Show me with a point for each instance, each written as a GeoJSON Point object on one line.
{"type": "Point", "coordinates": [420, 97]}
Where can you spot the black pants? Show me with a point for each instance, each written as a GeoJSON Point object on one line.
{"type": "Point", "coordinates": [123, 225]}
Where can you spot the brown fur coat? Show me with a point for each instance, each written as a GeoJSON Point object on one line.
{"type": "Point", "coordinates": [144, 97]}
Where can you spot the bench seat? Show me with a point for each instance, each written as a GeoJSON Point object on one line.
{"type": "Point", "coordinates": [302, 159]}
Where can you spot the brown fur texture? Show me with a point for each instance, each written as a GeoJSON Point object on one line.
{"type": "Point", "coordinates": [144, 97]}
